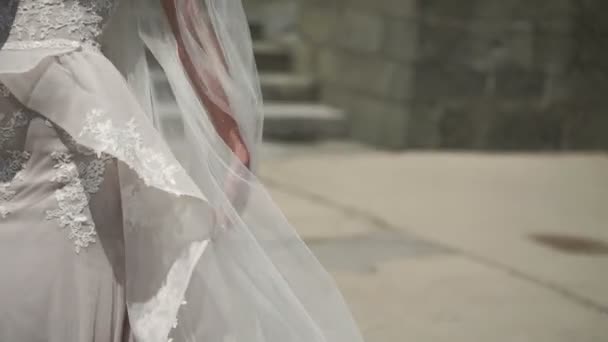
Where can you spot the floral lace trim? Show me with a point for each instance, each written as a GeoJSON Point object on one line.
{"type": "Point", "coordinates": [9, 123]}
{"type": "Point", "coordinates": [79, 182]}
{"type": "Point", "coordinates": [50, 44]}
{"type": "Point", "coordinates": [151, 321]}
{"type": "Point", "coordinates": [70, 142]}
{"type": "Point", "coordinates": [4, 211]}
{"type": "Point", "coordinates": [4, 91]}
{"type": "Point", "coordinates": [12, 162]}
{"type": "Point", "coordinates": [126, 143]}
{"type": "Point", "coordinates": [44, 19]}
{"type": "Point", "coordinates": [12, 166]}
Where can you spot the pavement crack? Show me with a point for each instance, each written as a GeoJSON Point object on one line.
{"type": "Point", "coordinates": [342, 208]}
{"type": "Point", "coordinates": [476, 258]}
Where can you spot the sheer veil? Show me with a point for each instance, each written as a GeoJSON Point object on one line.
{"type": "Point", "coordinates": [247, 277]}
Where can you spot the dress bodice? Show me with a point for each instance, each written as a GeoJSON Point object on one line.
{"type": "Point", "coordinates": [46, 20]}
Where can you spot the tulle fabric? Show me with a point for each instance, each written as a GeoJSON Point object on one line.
{"type": "Point", "coordinates": [201, 264]}
{"type": "Point", "coordinates": [256, 281]}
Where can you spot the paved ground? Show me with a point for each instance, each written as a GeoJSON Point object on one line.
{"type": "Point", "coordinates": [455, 247]}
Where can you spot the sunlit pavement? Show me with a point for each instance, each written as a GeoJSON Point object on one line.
{"type": "Point", "coordinates": [455, 246]}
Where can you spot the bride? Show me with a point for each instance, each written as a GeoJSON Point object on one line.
{"type": "Point", "coordinates": [111, 231]}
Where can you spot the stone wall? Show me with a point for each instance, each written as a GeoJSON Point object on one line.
{"type": "Point", "coordinates": [361, 51]}
{"type": "Point", "coordinates": [275, 17]}
{"type": "Point", "coordinates": [254, 5]}
{"type": "Point", "coordinates": [470, 74]}
{"type": "Point", "coordinates": [587, 124]}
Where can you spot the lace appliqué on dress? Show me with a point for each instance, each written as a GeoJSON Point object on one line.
{"type": "Point", "coordinates": [80, 20]}
{"type": "Point", "coordinates": [79, 180]}
{"type": "Point", "coordinates": [12, 162]}
{"type": "Point", "coordinates": [12, 166]}
{"type": "Point", "coordinates": [126, 144]}
{"type": "Point", "coordinates": [50, 44]}
{"type": "Point", "coordinates": [154, 319]}
{"type": "Point", "coordinates": [9, 123]}
{"type": "Point", "coordinates": [4, 91]}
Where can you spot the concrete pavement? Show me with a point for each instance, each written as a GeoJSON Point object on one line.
{"type": "Point", "coordinates": [446, 247]}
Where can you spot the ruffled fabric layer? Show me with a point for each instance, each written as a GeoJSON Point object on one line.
{"type": "Point", "coordinates": [167, 219]}
{"type": "Point", "coordinates": [246, 277]}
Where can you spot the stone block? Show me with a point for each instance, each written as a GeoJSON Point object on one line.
{"type": "Point", "coordinates": [487, 44]}
{"type": "Point", "coordinates": [458, 129]}
{"type": "Point", "coordinates": [280, 18]}
{"type": "Point", "coordinates": [303, 121]}
{"type": "Point", "coordinates": [443, 43]}
{"type": "Point", "coordinates": [398, 8]}
{"type": "Point", "coordinates": [316, 3]}
{"type": "Point", "coordinates": [423, 125]}
{"type": "Point", "coordinates": [387, 80]}
{"type": "Point", "coordinates": [525, 131]}
{"type": "Point", "coordinates": [512, 10]}
{"type": "Point", "coordinates": [253, 5]}
{"type": "Point", "coordinates": [557, 90]}
{"type": "Point", "coordinates": [589, 86]}
{"type": "Point", "coordinates": [305, 55]}
{"type": "Point", "coordinates": [272, 56]}
{"type": "Point", "coordinates": [393, 128]}
{"type": "Point", "coordinates": [592, 52]}
{"type": "Point", "coordinates": [317, 24]}
{"type": "Point", "coordinates": [374, 76]}
{"type": "Point", "coordinates": [364, 127]}
{"type": "Point", "coordinates": [381, 79]}
{"type": "Point", "coordinates": [489, 10]}
{"type": "Point", "coordinates": [556, 25]}
{"type": "Point", "coordinates": [401, 41]}
{"type": "Point", "coordinates": [554, 52]}
{"type": "Point", "coordinates": [439, 41]}
{"type": "Point", "coordinates": [400, 88]}
{"type": "Point", "coordinates": [379, 123]}
{"type": "Point", "coordinates": [517, 82]}
{"type": "Point", "coordinates": [557, 9]}
{"type": "Point", "coordinates": [585, 128]}
{"type": "Point", "coordinates": [360, 31]}
{"type": "Point", "coordinates": [438, 81]}
{"type": "Point", "coordinates": [477, 43]}
{"type": "Point", "coordinates": [447, 9]}
{"type": "Point", "coordinates": [592, 14]}
{"type": "Point", "coordinates": [288, 87]}
{"type": "Point", "coordinates": [390, 8]}
{"type": "Point", "coordinates": [338, 96]}
{"type": "Point", "coordinates": [518, 42]}
{"type": "Point", "coordinates": [329, 65]}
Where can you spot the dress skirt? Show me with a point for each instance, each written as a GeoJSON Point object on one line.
{"type": "Point", "coordinates": [61, 235]}
{"type": "Point", "coordinates": [100, 221]}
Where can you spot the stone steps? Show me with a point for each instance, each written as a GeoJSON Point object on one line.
{"type": "Point", "coordinates": [271, 56]}
{"type": "Point", "coordinates": [256, 28]}
{"type": "Point", "coordinates": [303, 121]}
{"type": "Point", "coordinates": [284, 121]}
{"type": "Point", "coordinates": [292, 110]}
{"type": "Point", "coordinates": [292, 107]}
{"type": "Point", "coordinates": [288, 87]}
{"type": "Point", "coordinates": [279, 87]}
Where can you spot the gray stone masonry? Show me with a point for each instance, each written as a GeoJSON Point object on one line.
{"type": "Point", "coordinates": [470, 74]}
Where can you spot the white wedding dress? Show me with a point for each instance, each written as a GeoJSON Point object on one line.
{"type": "Point", "coordinates": [61, 245]}
{"type": "Point", "coordinates": [106, 235]}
